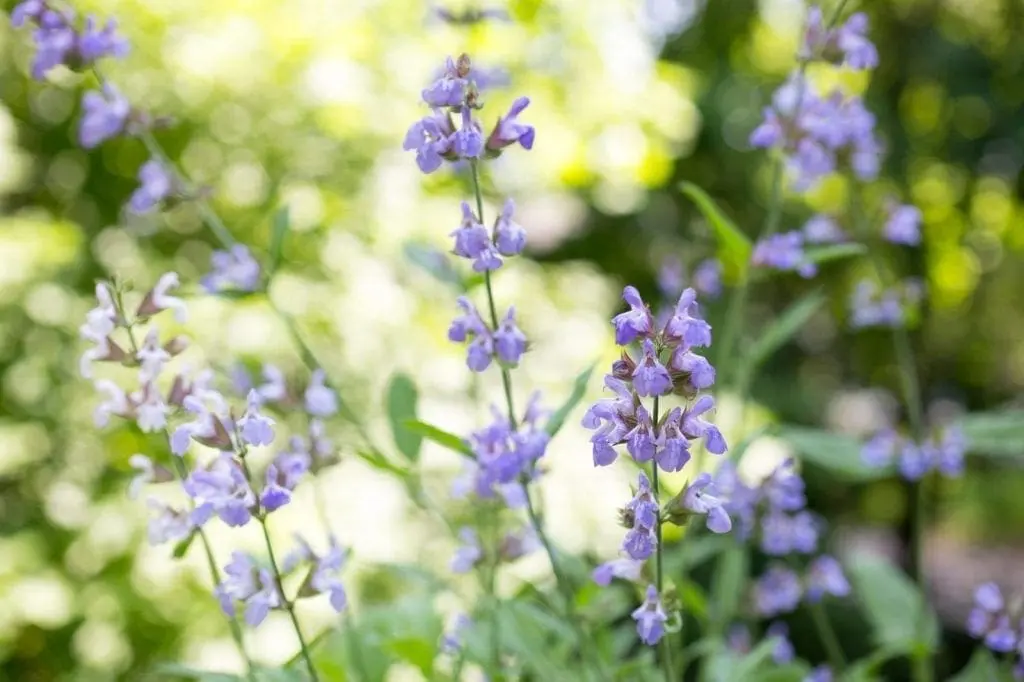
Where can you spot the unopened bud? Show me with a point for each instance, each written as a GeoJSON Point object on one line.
{"type": "Point", "coordinates": [177, 345]}
{"type": "Point", "coordinates": [462, 66]}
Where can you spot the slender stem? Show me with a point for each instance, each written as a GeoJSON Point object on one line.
{"type": "Point", "coordinates": [828, 637]}
{"type": "Point", "coordinates": [666, 644]}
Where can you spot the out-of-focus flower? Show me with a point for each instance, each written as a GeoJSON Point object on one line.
{"type": "Point", "coordinates": [650, 618]}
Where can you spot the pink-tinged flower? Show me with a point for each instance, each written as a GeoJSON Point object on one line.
{"type": "Point", "coordinates": [159, 299]}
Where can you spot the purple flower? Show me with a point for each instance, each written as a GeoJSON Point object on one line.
{"type": "Point", "coordinates": [320, 400]}
{"type": "Point", "coordinates": [634, 323]}
{"type": "Point", "coordinates": [823, 229]}
{"type": "Point", "coordinates": [650, 618]}
{"type": "Point", "coordinates": [470, 326]}
{"type": "Point", "coordinates": [452, 640]}
{"type": "Point", "coordinates": [517, 544]}
{"type": "Point", "coordinates": [155, 185]}
{"type": "Point", "coordinates": [147, 473]}
{"type": "Point", "coordinates": [431, 137]}
{"type": "Point", "coordinates": [509, 236]}
{"type": "Point", "coordinates": [325, 576]}
{"type": "Point", "coordinates": [468, 141]}
{"type": "Point", "coordinates": [283, 474]}
{"type": "Point", "coordinates": [707, 278]}
{"type": "Point", "coordinates": [825, 576]}
{"type": "Point", "coordinates": [641, 441]}
{"type": "Point", "coordinates": [509, 340]}
{"type": "Point", "coordinates": [473, 241]}
{"type": "Point", "coordinates": [623, 568]}
{"type": "Point", "coordinates": [783, 652]}
{"type": "Point", "coordinates": [222, 489]}
{"type": "Point", "coordinates": [870, 307]}
{"type": "Point", "coordinates": [641, 540]}
{"type": "Point", "coordinates": [650, 378]}
{"type": "Point", "coordinates": [95, 43]}
{"type": "Point", "coordinates": [776, 592]}
{"type": "Point", "coordinates": [671, 276]}
{"type": "Point", "coordinates": [251, 585]}
{"type": "Point", "coordinates": [820, 674]}
{"type": "Point", "coordinates": [782, 534]}
{"type": "Point", "coordinates": [902, 224]}
{"type": "Point", "coordinates": [468, 553]}
{"type": "Point", "coordinates": [208, 426]}
{"type": "Point", "coordinates": [699, 372]}
{"type": "Point", "coordinates": [915, 461]}
{"type": "Point", "coordinates": [256, 428]}
{"type": "Point", "coordinates": [28, 10]}
{"type": "Point", "coordinates": [233, 269]}
{"type": "Point", "coordinates": [675, 445]}
{"type": "Point", "coordinates": [950, 449]}
{"type": "Point", "coordinates": [104, 115]}
{"type": "Point", "coordinates": [273, 388]}
{"type": "Point", "coordinates": [686, 325]}
{"type": "Point", "coordinates": [851, 38]}
{"type": "Point", "coordinates": [739, 499]}
{"type": "Point", "coordinates": [695, 426]}
{"type": "Point", "coordinates": [1001, 637]}
{"type": "Point", "coordinates": [783, 252]}
{"type": "Point", "coordinates": [447, 91]}
{"type": "Point", "coordinates": [784, 489]}
{"type": "Point", "coordinates": [880, 448]}
{"type": "Point", "coordinates": [55, 41]}
{"type": "Point", "coordinates": [608, 417]}
{"type": "Point", "coordinates": [168, 524]}
{"type": "Point", "coordinates": [700, 500]}
{"type": "Point", "coordinates": [509, 130]}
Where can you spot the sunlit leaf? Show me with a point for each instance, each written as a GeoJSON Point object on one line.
{"type": "Point", "coordinates": [402, 398]}
{"type": "Point", "coordinates": [734, 247]}
{"type": "Point", "coordinates": [282, 223]}
{"type": "Point", "coordinates": [579, 388]}
{"type": "Point", "coordinates": [439, 436]}
{"type": "Point", "coordinates": [832, 252]}
{"type": "Point", "coordinates": [382, 463]}
{"type": "Point", "coordinates": [181, 548]}
{"type": "Point", "coordinates": [782, 328]}
{"type": "Point", "coordinates": [835, 452]}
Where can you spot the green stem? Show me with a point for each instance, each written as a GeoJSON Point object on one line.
{"type": "Point", "coordinates": [666, 645]}
{"type": "Point", "coordinates": [828, 637]}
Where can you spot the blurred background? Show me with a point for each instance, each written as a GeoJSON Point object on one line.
{"type": "Point", "coordinates": [306, 103]}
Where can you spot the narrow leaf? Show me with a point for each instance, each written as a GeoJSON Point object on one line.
{"type": "Point", "coordinates": [282, 223]}
{"type": "Point", "coordinates": [899, 614]}
{"type": "Point", "coordinates": [434, 262]}
{"type": "Point", "coordinates": [402, 398]}
{"type": "Point", "coordinates": [728, 584]}
{"type": "Point", "coordinates": [995, 434]}
{"type": "Point", "coordinates": [181, 548]}
{"type": "Point", "coordinates": [734, 247]}
{"type": "Point", "coordinates": [439, 436]}
{"type": "Point", "coordinates": [782, 329]}
{"type": "Point", "coordinates": [382, 463]}
{"type": "Point", "coordinates": [579, 387]}
{"type": "Point", "coordinates": [835, 452]}
{"type": "Point", "coordinates": [831, 252]}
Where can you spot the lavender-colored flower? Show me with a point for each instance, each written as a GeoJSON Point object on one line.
{"type": "Point", "coordinates": [509, 236]}
{"type": "Point", "coordinates": [116, 403]}
{"type": "Point", "coordinates": [776, 592]}
{"type": "Point", "coordinates": [783, 252]}
{"type": "Point", "coordinates": [989, 598]}
{"type": "Point", "coordinates": [870, 307]}
{"type": "Point", "coordinates": [94, 43]}
{"type": "Point", "coordinates": [608, 417]}
{"type": "Point", "coordinates": [150, 408]}
{"type": "Point", "coordinates": [168, 524]}
{"type": "Point", "coordinates": [823, 229]}
{"type": "Point", "coordinates": [468, 141]}
{"type": "Point", "coordinates": [783, 652]}
{"type": "Point", "coordinates": [686, 325]}
{"type": "Point", "coordinates": [650, 378]}
{"type": "Point", "coordinates": [949, 450]}
{"type": "Point", "coordinates": [247, 583]}
{"type": "Point", "coordinates": [784, 489]}
{"type": "Point", "coordinates": [449, 90]}
{"type": "Point", "coordinates": [452, 640]}
{"type": "Point", "coordinates": [473, 241]}
{"type": "Point", "coordinates": [208, 426]}
{"type": "Point", "coordinates": [623, 568]}
{"type": "Point", "coordinates": [151, 356]}
{"type": "Point", "coordinates": [642, 515]}
{"type": "Point", "coordinates": [914, 460]}
{"type": "Point", "coordinates": [147, 473]}
{"type": "Point", "coordinates": [880, 449]}
{"type": "Point", "coordinates": [509, 130]}
{"type": "Point", "coordinates": [671, 277]}
{"type": "Point", "coordinates": [820, 674]}
{"type": "Point", "coordinates": [55, 41]}
{"type": "Point", "coordinates": [674, 452]}
{"type": "Point", "coordinates": [707, 278]}
{"type": "Point", "coordinates": [650, 618]}
{"type": "Point", "coordinates": [255, 427]}
{"type": "Point", "coordinates": [783, 534]}
{"type": "Point", "coordinates": [470, 326]}
{"type": "Point", "coordinates": [104, 115]}
{"type": "Point", "coordinates": [222, 489]}
{"type": "Point", "coordinates": [26, 11]}
{"type": "Point", "coordinates": [739, 499]}
{"type": "Point", "coordinates": [517, 544]}
{"type": "Point", "coordinates": [274, 387]}
{"type": "Point", "coordinates": [641, 440]}
{"type": "Point", "coordinates": [509, 340]}
{"type": "Point", "coordinates": [431, 137]}
{"type": "Point", "coordinates": [825, 576]}
{"type": "Point", "coordinates": [99, 323]}
{"type": "Point", "coordinates": [159, 299]}
{"type": "Point", "coordinates": [699, 498]}
{"type": "Point", "coordinates": [320, 400]}
{"type": "Point", "coordinates": [325, 578]}
{"type": "Point", "coordinates": [694, 426]}
{"type": "Point", "coordinates": [1001, 637]}
{"type": "Point", "coordinates": [468, 553]}
{"type": "Point", "coordinates": [698, 371]}
{"type": "Point", "coordinates": [903, 224]}
{"type": "Point", "coordinates": [635, 323]}
{"type": "Point", "coordinates": [282, 476]}
{"type": "Point", "coordinates": [232, 270]}
{"type": "Point", "coordinates": [847, 44]}
{"type": "Point", "coordinates": [155, 185]}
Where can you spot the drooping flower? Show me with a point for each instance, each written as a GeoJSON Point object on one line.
{"type": "Point", "coordinates": [699, 499]}
{"type": "Point", "coordinates": [624, 568]}
{"type": "Point", "coordinates": [232, 270]}
{"type": "Point", "coordinates": [251, 585]}
{"type": "Point", "coordinates": [609, 417]}
{"type": "Point", "coordinates": [650, 618]}
{"type": "Point", "coordinates": [509, 130]}
{"type": "Point", "coordinates": [282, 476]}
{"type": "Point", "coordinates": [509, 340]}
{"type": "Point", "coordinates": [325, 578]}
{"type": "Point", "coordinates": [509, 236]}
{"type": "Point", "coordinates": [104, 115]}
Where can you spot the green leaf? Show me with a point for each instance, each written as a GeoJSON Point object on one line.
{"type": "Point", "coordinates": [382, 463]}
{"type": "Point", "coordinates": [835, 452]}
{"type": "Point", "coordinates": [579, 388]}
{"type": "Point", "coordinates": [725, 665]}
{"type": "Point", "coordinates": [982, 667]}
{"type": "Point", "coordinates": [435, 263]}
{"type": "Point", "coordinates": [417, 652]}
{"type": "Point", "coordinates": [285, 674]}
{"type": "Point", "coordinates": [901, 617]}
{"type": "Point", "coordinates": [831, 252]}
{"type": "Point", "coordinates": [693, 600]}
{"type": "Point", "coordinates": [184, 672]}
{"type": "Point", "coordinates": [995, 434]}
{"type": "Point", "coordinates": [694, 551]}
{"type": "Point", "coordinates": [540, 641]}
{"type": "Point", "coordinates": [791, 672]}
{"type": "Point", "coordinates": [282, 223]}
{"type": "Point", "coordinates": [402, 398]}
{"type": "Point", "coordinates": [782, 329]}
{"type": "Point", "coordinates": [439, 436]}
{"type": "Point", "coordinates": [734, 247]}
{"type": "Point", "coordinates": [181, 548]}
{"type": "Point", "coordinates": [729, 583]}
